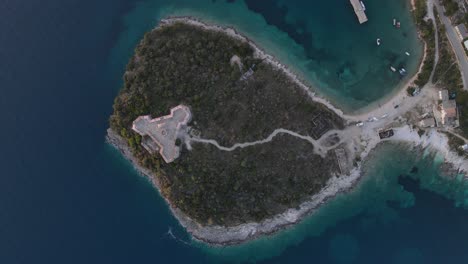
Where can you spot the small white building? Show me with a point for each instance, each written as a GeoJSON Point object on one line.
{"type": "Point", "coordinates": [466, 44]}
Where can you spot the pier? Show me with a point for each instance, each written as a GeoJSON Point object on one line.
{"type": "Point", "coordinates": [359, 9]}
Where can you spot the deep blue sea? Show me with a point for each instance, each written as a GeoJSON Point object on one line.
{"type": "Point", "coordinates": [68, 197]}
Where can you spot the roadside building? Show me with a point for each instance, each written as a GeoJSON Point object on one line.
{"type": "Point", "coordinates": [428, 122]}
{"type": "Point", "coordinates": [446, 113]}
{"type": "Point", "coordinates": [443, 95]}
{"type": "Point", "coordinates": [449, 113]}
{"type": "Point", "coordinates": [461, 32]}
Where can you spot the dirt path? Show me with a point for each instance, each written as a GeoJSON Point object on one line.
{"type": "Point", "coordinates": [318, 147]}
{"type": "Point", "coordinates": [456, 134]}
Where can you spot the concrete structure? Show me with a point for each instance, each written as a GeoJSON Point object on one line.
{"type": "Point", "coordinates": [342, 160]}
{"type": "Point", "coordinates": [461, 32]}
{"type": "Point", "coordinates": [449, 107]}
{"type": "Point", "coordinates": [465, 44]}
{"type": "Point", "coordinates": [449, 113]}
{"type": "Point", "coordinates": [443, 95]}
{"type": "Point", "coordinates": [248, 73]}
{"type": "Point", "coordinates": [445, 113]}
{"type": "Point", "coordinates": [160, 134]}
{"type": "Point", "coordinates": [428, 122]}
{"type": "Point", "coordinates": [359, 9]}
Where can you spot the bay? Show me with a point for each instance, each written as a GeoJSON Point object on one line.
{"type": "Point", "coordinates": [68, 197]}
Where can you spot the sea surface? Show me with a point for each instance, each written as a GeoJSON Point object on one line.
{"type": "Point", "coordinates": [68, 197]}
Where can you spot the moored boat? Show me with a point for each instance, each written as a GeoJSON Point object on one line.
{"type": "Point", "coordinates": [402, 71]}
{"type": "Point", "coordinates": [363, 6]}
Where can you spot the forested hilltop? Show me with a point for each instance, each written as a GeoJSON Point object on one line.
{"type": "Point", "coordinates": [184, 64]}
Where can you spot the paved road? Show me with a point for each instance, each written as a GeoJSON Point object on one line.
{"type": "Point", "coordinates": [456, 44]}
{"type": "Point", "coordinates": [430, 14]}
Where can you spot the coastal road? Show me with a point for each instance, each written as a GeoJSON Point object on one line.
{"type": "Point", "coordinates": [431, 15]}
{"type": "Point", "coordinates": [456, 44]}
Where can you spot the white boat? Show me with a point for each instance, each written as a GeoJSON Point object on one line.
{"type": "Point", "coordinates": [394, 22]}
{"type": "Point", "coordinates": [392, 68]}
{"type": "Point", "coordinates": [402, 71]}
{"type": "Point", "coordinates": [378, 42]}
{"type": "Point", "coordinates": [363, 6]}
{"type": "Point", "coordinates": [398, 24]}
{"type": "Point", "coordinates": [407, 53]}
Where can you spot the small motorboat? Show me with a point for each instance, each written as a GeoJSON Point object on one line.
{"type": "Point", "coordinates": [407, 53]}
{"type": "Point", "coordinates": [398, 24]}
{"type": "Point", "coordinates": [378, 42]}
{"type": "Point", "coordinates": [394, 22]}
{"type": "Point", "coordinates": [402, 71]}
{"type": "Point", "coordinates": [392, 68]}
{"type": "Point", "coordinates": [363, 6]}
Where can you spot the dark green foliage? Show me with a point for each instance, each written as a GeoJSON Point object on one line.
{"type": "Point", "coordinates": [421, 132]}
{"type": "Point", "coordinates": [462, 104]}
{"type": "Point", "coordinates": [426, 32]}
{"type": "Point", "coordinates": [455, 143]}
{"type": "Point", "coordinates": [410, 90]}
{"type": "Point", "coordinates": [448, 75]}
{"type": "Point", "coordinates": [451, 7]}
{"type": "Point", "coordinates": [182, 64]}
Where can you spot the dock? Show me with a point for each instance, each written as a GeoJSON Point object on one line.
{"type": "Point", "coordinates": [359, 9]}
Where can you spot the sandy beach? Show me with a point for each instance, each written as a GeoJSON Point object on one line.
{"type": "Point", "coordinates": [375, 109]}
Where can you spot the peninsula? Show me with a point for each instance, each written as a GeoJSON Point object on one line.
{"type": "Point", "coordinates": [236, 143]}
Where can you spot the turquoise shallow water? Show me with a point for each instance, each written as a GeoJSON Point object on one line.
{"type": "Point", "coordinates": [67, 197]}
{"type": "Point", "coordinates": [402, 211]}
{"type": "Point", "coordinates": [379, 217]}
{"type": "Point", "coordinates": [320, 40]}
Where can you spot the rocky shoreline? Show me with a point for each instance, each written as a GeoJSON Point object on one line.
{"type": "Point", "coordinates": [258, 53]}
{"type": "Point", "coordinates": [223, 236]}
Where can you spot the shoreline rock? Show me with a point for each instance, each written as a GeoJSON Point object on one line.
{"type": "Point", "coordinates": [224, 236]}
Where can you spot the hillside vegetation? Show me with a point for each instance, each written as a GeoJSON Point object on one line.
{"type": "Point", "coordinates": [183, 64]}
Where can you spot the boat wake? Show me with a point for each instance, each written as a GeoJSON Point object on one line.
{"type": "Point", "coordinates": [171, 235]}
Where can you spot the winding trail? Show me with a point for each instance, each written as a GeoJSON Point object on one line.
{"type": "Point", "coordinates": [318, 149]}
{"type": "Point", "coordinates": [455, 134]}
